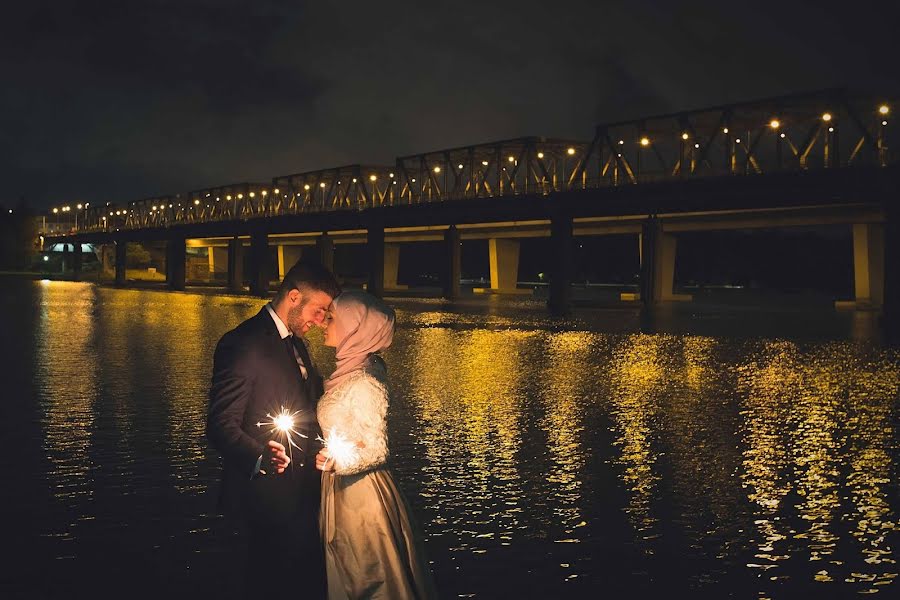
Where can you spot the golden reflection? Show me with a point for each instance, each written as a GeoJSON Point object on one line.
{"type": "Point", "coordinates": [68, 386]}
{"type": "Point", "coordinates": [816, 425]}
{"type": "Point", "coordinates": [566, 381]}
{"type": "Point", "coordinates": [638, 375]}
{"type": "Point", "coordinates": [467, 386]}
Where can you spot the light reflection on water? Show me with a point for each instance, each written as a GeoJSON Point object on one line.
{"type": "Point", "coordinates": [579, 460]}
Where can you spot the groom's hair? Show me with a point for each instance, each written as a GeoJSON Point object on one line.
{"type": "Point", "coordinates": [308, 276]}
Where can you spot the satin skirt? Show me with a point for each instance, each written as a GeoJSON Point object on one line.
{"type": "Point", "coordinates": [373, 548]}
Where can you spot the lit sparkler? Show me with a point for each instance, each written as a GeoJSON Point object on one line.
{"type": "Point", "coordinates": [340, 449]}
{"type": "Point", "coordinates": [282, 427]}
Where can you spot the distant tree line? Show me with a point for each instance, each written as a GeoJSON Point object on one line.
{"type": "Point", "coordinates": [18, 237]}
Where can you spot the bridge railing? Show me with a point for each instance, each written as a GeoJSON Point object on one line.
{"type": "Point", "coordinates": [532, 165]}
{"type": "Point", "coordinates": [351, 187]}
{"type": "Point", "coordinates": [818, 130]}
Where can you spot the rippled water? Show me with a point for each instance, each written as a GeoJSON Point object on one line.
{"type": "Point", "coordinates": [542, 461]}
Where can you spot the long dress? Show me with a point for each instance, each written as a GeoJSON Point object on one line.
{"type": "Point", "coordinates": [373, 547]}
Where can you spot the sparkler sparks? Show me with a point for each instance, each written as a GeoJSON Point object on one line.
{"type": "Point", "coordinates": [340, 449]}
{"type": "Point", "coordinates": [282, 427]}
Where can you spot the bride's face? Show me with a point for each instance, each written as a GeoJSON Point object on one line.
{"type": "Point", "coordinates": [330, 331]}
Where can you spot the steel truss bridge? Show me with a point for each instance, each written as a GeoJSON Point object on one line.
{"type": "Point", "coordinates": [809, 132]}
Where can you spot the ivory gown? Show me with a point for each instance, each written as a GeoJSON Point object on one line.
{"type": "Point", "coordinates": [373, 547]}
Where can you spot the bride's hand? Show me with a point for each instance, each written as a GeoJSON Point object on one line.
{"type": "Point", "coordinates": [323, 460]}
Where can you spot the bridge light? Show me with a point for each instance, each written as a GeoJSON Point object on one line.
{"type": "Point", "coordinates": [884, 122]}
{"type": "Point", "coordinates": [621, 142]}
{"type": "Point", "coordinates": [884, 109]}
{"type": "Point", "coordinates": [696, 145]}
{"type": "Point", "coordinates": [540, 155]}
{"type": "Point", "coordinates": [512, 159]}
{"type": "Point", "coordinates": [306, 187]}
{"type": "Point", "coordinates": [484, 162]}
{"type": "Point", "coordinates": [264, 193]}
{"type": "Point", "coordinates": [737, 141]}
{"type": "Point", "coordinates": [46, 258]}
{"type": "Point", "coordinates": [240, 196]}
{"type": "Point", "coordinates": [55, 210]}
{"type": "Point", "coordinates": [413, 179]}
{"type": "Point", "coordinates": [354, 180]}
{"type": "Point", "coordinates": [782, 136]}
{"type": "Point", "coordinates": [154, 208]}
{"type": "Point", "coordinates": [252, 194]}
{"type": "Point", "coordinates": [645, 141]}
{"type": "Point", "coordinates": [207, 194]}
{"type": "Point", "coordinates": [437, 169]}
{"type": "Point", "coordinates": [228, 197]}
{"type": "Point", "coordinates": [196, 201]}
{"type": "Point", "coordinates": [725, 130]}
{"type": "Point", "coordinates": [830, 129]}
{"type": "Point", "coordinates": [86, 204]}
{"type": "Point", "coordinates": [170, 206]}
{"type": "Point", "coordinates": [80, 206]}
{"type": "Point", "coordinates": [684, 136]}
{"type": "Point", "coordinates": [276, 190]}
{"type": "Point", "coordinates": [826, 117]}
{"type": "Point", "coordinates": [774, 123]}
{"type": "Point", "coordinates": [571, 151]}
{"type": "Point", "coordinates": [322, 185]}
{"type": "Point", "coordinates": [373, 177]}
{"type": "Point", "coordinates": [460, 166]}
{"type": "Point", "coordinates": [391, 175]}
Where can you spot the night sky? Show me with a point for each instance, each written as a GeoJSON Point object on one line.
{"type": "Point", "coordinates": [120, 100]}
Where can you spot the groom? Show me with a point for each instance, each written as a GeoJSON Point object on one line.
{"type": "Point", "coordinates": [260, 367]}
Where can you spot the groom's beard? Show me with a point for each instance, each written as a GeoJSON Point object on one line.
{"type": "Point", "coordinates": [295, 321]}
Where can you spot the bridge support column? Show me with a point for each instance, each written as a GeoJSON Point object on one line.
{"type": "Point", "coordinates": [218, 262]}
{"type": "Point", "coordinates": [176, 255]}
{"type": "Point", "coordinates": [658, 251]}
{"type": "Point", "coordinates": [121, 249]}
{"type": "Point", "coordinates": [259, 263]}
{"type": "Point", "coordinates": [375, 243]}
{"type": "Point", "coordinates": [287, 258]}
{"type": "Point", "coordinates": [868, 265]}
{"type": "Point", "coordinates": [65, 258]}
{"type": "Point", "coordinates": [325, 251]}
{"type": "Point", "coordinates": [392, 267]}
{"type": "Point", "coordinates": [504, 262]}
{"type": "Point", "coordinates": [76, 260]}
{"type": "Point", "coordinates": [453, 264]}
{"type": "Point", "coordinates": [562, 244]}
{"type": "Point", "coordinates": [891, 317]}
{"type": "Point", "coordinates": [235, 265]}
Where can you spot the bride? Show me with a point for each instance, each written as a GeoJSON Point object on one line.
{"type": "Point", "coordinates": [373, 548]}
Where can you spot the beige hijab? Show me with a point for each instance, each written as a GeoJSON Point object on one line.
{"type": "Point", "coordinates": [363, 325]}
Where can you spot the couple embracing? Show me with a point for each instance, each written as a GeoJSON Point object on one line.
{"type": "Point", "coordinates": [319, 524]}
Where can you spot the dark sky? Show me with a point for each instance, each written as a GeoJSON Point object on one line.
{"type": "Point", "coordinates": [120, 100]}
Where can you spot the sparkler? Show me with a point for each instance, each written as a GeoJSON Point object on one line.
{"type": "Point", "coordinates": [282, 427]}
{"type": "Point", "coordinates": [340, 449]}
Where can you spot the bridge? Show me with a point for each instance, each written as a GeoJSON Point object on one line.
{"type": "Point", "coordinates": [815, 158]}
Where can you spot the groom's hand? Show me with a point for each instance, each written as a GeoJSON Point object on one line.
{"type": "Point", "coordinates": [323, 462]}
{"type": "Point", "coordinates": [276, 457]}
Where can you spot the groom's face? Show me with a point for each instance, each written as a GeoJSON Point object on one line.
{"type": "Point", "coordinates": [307, 310]}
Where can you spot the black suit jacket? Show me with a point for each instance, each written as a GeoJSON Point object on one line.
{"type": "Point", "coordinates": [254, 374]}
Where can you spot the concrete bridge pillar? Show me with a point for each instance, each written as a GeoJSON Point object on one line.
{"type": "Point", "coordinates": [658, 251]}
{"type": "Point", "coordinates": [121, 248]}
{"type": "Point", "coordinates": [218, 262]}
{"type": "Point", "coordinates": [235, 265]}
{"type": "Point", "coordinates": [453, 264]}
{"type": "Point", "coordinates": [287, 258]}
{"type": "Point", "coordinates": [375, 244]}
{"type": "Point", "coordinates": [562, 245]}
{"type": "Point", "coordinates": [76, 260]}
{"type": "Point", "coordinates": [259, 263]}
{"type": "Point", "coordinates": [891, 317]}
{"type": "Point", "coordinates": [325, 251]}
{"type": "Point", "coordinates": [503, 255]}
{"type": "Point", "coordinates": [868, 265]}
{"type": "Point", "coordinates": [65, 258]}
{"type": "Point", "coordinates": [176, 255]}
{"type": "Point", "coordinates": [392, 267]}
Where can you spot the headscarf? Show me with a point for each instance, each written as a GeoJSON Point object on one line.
{"type": "Point", "coordinates": [363, 325]}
